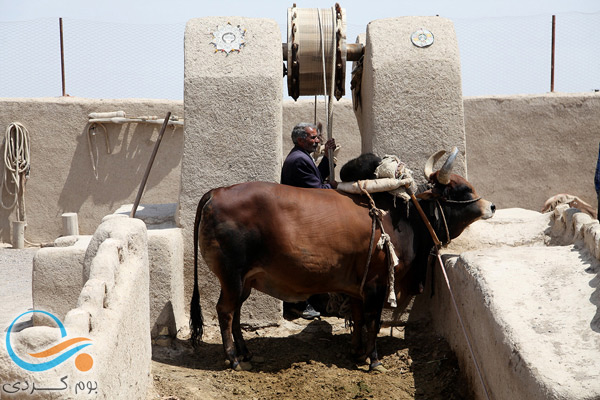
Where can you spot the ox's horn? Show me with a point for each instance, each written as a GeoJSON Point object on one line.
{"type": "Point", "coordinates": [428, 170]}
{"type": "Point", "coordinates": [444, 174]}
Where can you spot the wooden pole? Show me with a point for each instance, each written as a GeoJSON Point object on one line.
{"type": "Point", "coordinates": [149, 167]}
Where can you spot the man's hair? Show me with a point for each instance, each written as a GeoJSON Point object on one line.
{"type": "Point", "coordinates": [299, 131]}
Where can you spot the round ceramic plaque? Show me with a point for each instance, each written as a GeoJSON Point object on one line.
{"type": "Point", "coordinates": [228, 38]}
{"type": "Point", "coordinates": [422, 38]}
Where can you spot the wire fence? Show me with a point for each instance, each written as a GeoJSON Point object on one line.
{"type": "Point", "coordinates": [499, 56]}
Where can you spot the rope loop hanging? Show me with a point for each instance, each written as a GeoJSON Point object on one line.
{"type": "Point", "coordinates": [16, 167]}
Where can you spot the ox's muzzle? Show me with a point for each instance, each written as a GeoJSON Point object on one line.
{"type": "Point", "coordinates": [488, 209]}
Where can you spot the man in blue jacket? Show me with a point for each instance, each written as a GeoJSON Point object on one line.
{"type": "Point", "coordinates": [299, 169]}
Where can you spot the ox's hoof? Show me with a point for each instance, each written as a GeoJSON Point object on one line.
{"type": "Point", "coordinates": [239, 365]}
{"type": "Point", "coordinates": [359, 359]}
{"type": "Point", "coordinates": [378, 369]}
{"type": "Point", "coordinates": [242, 366]}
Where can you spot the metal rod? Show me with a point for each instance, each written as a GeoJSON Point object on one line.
{"type": "Point", "coordinates": [62, 56]}
{"type": "Point", "coordinates": [353, 51]}
{"type": "Point", "coordinates": [553, 53]}
{"type": "Point", "coordinates": [149, 167]}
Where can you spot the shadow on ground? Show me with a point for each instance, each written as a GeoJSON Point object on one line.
{"type": "Point", "coordinates": [315, 362]}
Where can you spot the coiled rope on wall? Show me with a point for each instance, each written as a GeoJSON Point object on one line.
{"type": "Point", "coordinates": [16, 167]}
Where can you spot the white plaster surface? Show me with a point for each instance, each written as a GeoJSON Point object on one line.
{"type": "Point", "coordinates": [535, 133]}
{"type": "Point", "coordinates": [165, 254]}
{"type": "Point", "coordinates": [531, 310]}
{"type": "Point", "coordinates": [112, 312]}
{"type": "Point", "coordinates": [58, 272]}
{"type": "Point", "coordinates": [58, 277]}
{"type": "Point", "coordinates": [233, 114]}
{"type": "Point", "coordinates": [15, 285]}
{"type": "Point", "coordinates": [411, 97]}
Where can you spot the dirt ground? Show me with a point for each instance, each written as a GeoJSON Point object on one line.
{"type": "Point", "coordinates": [304, 360]}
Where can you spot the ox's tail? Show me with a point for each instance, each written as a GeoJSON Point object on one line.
{"type": "Point", "coordinates": [196, 319]}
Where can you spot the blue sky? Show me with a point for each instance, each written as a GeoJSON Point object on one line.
{"type": "Point", "coordinates": [358, 12]}
{"type": "Point", "coordinates": [504, 44]}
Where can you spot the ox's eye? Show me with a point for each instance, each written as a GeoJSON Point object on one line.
{"type": "Point", "coordinates": [458, 193]}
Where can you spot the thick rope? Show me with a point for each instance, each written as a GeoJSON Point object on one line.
{"type": "Point", "coordinates": [323, 63]}
{"type": "Point", "coordinates": [16, 166]}
{"type": "Point", "coordinates": [339, 304]}
{"type": "Point", "coordinates": [371, 243]}
{"type": "Point", "coordinates": [328, 101]}
{"type": "Point", "coordinates": [331, 93]}
{"type": "Point", "coordinates": [384, 241]}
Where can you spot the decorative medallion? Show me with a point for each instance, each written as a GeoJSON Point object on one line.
{"type": "Point", "coordinates": [422, 38]}
{"type": "Point", "coordinates": [228, 38]}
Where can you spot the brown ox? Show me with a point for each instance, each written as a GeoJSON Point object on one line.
{"type": "Point", "coordinates": [291, 243]}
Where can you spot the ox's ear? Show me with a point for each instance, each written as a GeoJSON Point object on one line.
{"type": "Point", "coordinates": [434, 192]}
{"type": "Point", "coordinates": [427, 195]}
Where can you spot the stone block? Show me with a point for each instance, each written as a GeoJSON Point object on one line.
{"type": "Point", "coordinates": [411, 97]}
{"type": "Point", "coordinates": [58, 278]}
{"type": "Point", "coordinates": [233, 122]}
{"type": "Point", "coordinates": [118, 359]}
{"type": "Point", "coordinates": [165, 256]}
{"type": "Point", "coordinates": [167, 304]}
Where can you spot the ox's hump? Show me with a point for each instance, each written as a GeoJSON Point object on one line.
{"type": "Point", "coordinates": [360, 168]}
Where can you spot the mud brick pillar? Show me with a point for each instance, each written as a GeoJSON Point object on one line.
{"type": "Point", "coordinates": [232, 134]}
{"type": "Point", "coordinates": [411, 97]}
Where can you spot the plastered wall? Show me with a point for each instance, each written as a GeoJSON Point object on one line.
{"type": "Point", "coordinates": [520, 151]}
{"type": "Point", "coordinates": [523, 149]}
{"type": "Point", "coordinates": [112, 316]}
{"type": "Point", "coordinates": [62, 179]}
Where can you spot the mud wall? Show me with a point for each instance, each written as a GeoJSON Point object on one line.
{"type": "Point", "coordinates": [111, 317]}
{"type": "Point", "coordinates": [62, 178]}
{"type": "Point", "coordinates": [520, 151]}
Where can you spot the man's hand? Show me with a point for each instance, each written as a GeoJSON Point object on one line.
{"type": "Point", "coordinates": [329, 145]}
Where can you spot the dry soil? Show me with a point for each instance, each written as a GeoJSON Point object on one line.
{"type": "Point", "coordinates": [307, 360]}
